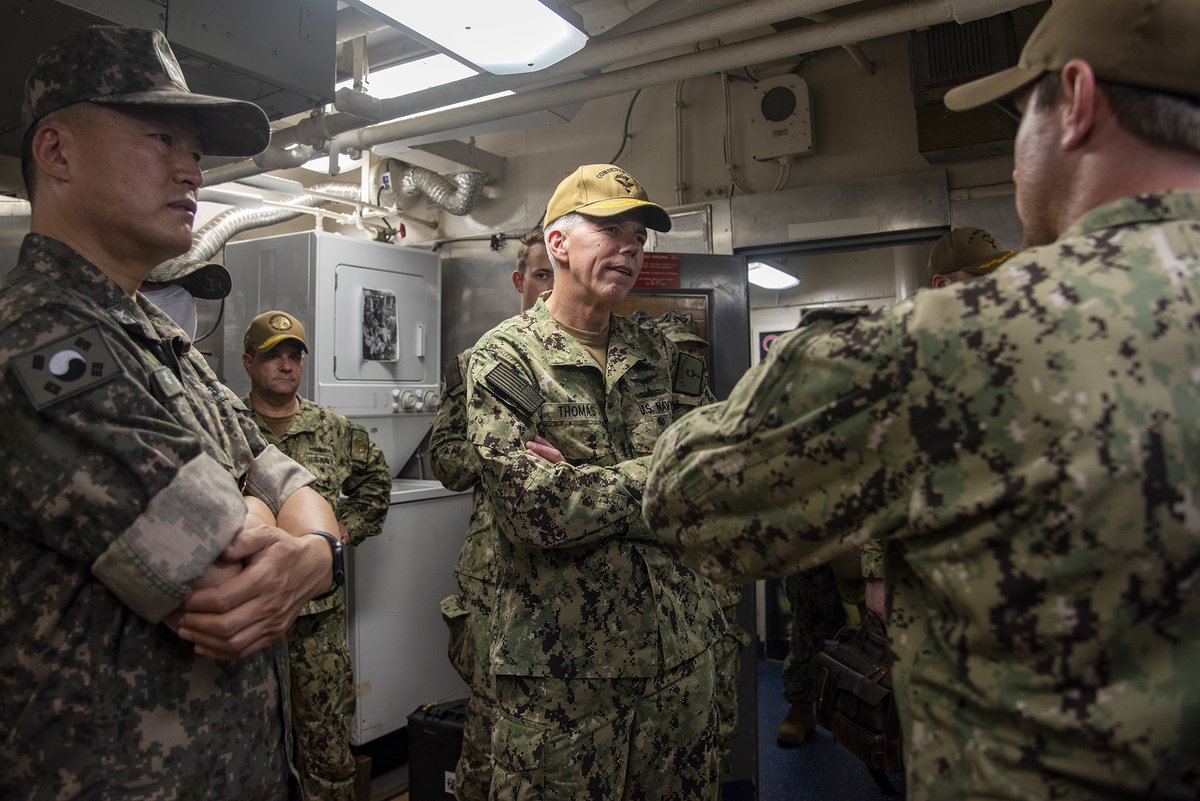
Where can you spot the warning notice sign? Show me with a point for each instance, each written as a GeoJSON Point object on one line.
{"type": "Point", "coordinates": [659, 271]}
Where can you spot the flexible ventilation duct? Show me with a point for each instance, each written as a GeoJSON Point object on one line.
{"type": "Point", "coordinates": [207, 241]}
{"type": "Point", "coordinates": [458, 198]}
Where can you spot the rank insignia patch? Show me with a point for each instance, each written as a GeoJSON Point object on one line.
{"type": "Point", "coordinates": [66, 367]}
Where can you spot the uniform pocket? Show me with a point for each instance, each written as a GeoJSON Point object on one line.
{"type": "Point", "coordinates": [518, 750]}
{"type": "Point", "coordinates": [460, 649]}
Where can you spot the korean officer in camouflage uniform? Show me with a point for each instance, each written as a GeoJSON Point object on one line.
{"type": "Point", "coordinates": [143, 594]}
{"type": "Point", "coordinates": [354, 478]}
{"type": "Point", "coordinates": [468, 613]}
{"type": "Point", "coordinates": [601, 639]}
{"type": "Point", "coordinates": [1040, 502]}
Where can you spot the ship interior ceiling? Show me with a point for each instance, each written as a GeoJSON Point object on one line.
{"type": "Point", "coordinates": [808, 135]}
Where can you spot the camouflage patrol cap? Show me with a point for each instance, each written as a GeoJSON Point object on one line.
{"type": "Point", "coordinates": [972, 250]}
{"type": "Point", "coordinates": [135, 67]}
{"type": "Point", "coordinates": [203, 279]}
{"type": "Point", "coordinates": [679, 327]}
{"type": "Point", "coordinates": [1150, 44]}
{"type": "Point", "coordinates": [269, 329]}
{"type": "Point", "coordinates": [604, 190]}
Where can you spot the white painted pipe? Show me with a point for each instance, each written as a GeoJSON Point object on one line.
{"type": "Point", "coordinates": [356, 107]}
{"type": "Point", "coordinates": [845, 30]}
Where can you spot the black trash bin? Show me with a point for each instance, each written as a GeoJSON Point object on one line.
{"type": "Point", "coordinates": [435, 733]}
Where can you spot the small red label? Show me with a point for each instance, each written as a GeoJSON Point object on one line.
{"type": "Point", "coordinates": [659, 271]}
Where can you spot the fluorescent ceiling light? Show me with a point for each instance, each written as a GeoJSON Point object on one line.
{"type": "Point", "coordinates": [764, 275]}
{"type": "Point", "coordinates": [413, 76]}
{"type": "Point", "coordinates": [501, 36]}
{"type": "Point", "coordinates": [321, 164]}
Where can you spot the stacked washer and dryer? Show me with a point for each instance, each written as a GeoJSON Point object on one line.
{"type": "Point", "coordinates": [371, 312]}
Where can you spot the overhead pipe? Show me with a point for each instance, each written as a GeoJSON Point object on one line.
{"type": "Point", "coordinates": [210, 238]}
{"type": "Point", "coordinates": [595, 56]}
{"type": "Point", "coordinates": [858, 27]}
{"type": "Point", "coordinates": [358, 109]}
{"type": "Point", "coordinates": [458, 196]}
{"type": "Point", "coordinates": [853, 49]}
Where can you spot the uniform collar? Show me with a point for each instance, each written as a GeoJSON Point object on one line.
{"type": "Point", "coordinates": [1156, 208]}
{"type": "Point", "coordinates": [64, 267]}
{"type": "Point", "coordinates": [563, 349]}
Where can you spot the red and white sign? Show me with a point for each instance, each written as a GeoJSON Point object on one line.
{"type": "Point", "coordinates": [659, 271]}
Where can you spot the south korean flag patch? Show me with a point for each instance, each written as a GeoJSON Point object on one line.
{"type": "Point", "coordinates": [66, 367]}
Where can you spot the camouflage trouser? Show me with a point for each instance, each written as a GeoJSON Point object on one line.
{"type": "Point", "coordinates": [816, 614]}
{"type": "Point", "coordinates": [467, 616]}
{"type": "Point", "coordinates": [322, 691]}
{"type": "Point", "coordinates": [607, 739]}
{"type": "Point", "coordinates": [727, 662]}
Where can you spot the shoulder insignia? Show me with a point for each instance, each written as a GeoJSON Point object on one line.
{"type": "Point", "coordinates": [66, 367]}
{"type": "Point", "coordinates": [689, 375]}
{"type": "Point", "coordinates": [516, 393]}
{"type": "Point", "coordinates": [358, 443]}
{"type": "Point", "coordinates": [833, 314]}
{"type": "Point", "coordinates": [165, 385]}
{"type": "Point", "coordinates": [452, 375]}
{"type": "Point", "coordinates": [218, 393]}
{"type": "Point", "coordinates": [121, 314]}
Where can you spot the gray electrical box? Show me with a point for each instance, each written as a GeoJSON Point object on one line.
{"type": "Point", "coordinates": [781, 118]}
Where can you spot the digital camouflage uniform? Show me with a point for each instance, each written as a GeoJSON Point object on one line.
{"type": "Point", "coordinates": [121, 457]}
{"type": "Point", "coordinates": [601, 638]}
{"type": "Point", "coordinates": [468, 614]}
{"type": "Point", "coordinates": [346, 463]}
{"type": "Point", "coordinates": [1029, 445]}
{"type": "Point", "coordinates": [727, 651]}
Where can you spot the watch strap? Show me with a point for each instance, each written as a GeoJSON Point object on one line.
{"type": "Point", "coordinates": [337, 551]}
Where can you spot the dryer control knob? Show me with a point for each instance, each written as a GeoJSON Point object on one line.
{"type": "Point", "coordinates": [408, 400]}
{"type": "Point", "coordinates": [432, 399]}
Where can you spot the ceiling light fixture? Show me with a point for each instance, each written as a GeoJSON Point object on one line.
{"type": "Point", "coordinates": [764, 275]}
{"type": "Point", "coordinates": [413, 76]}
{"type": "Point", "coordinates": [321, 164]}
{"type": "Point", "coordinates": [504, 38]}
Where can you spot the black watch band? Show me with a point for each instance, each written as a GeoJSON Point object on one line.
{"type": "Point", "coordinates": [339, 561]}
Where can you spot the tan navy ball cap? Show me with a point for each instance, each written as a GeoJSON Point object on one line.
{"type": "Point", "coordinates": [1150, 44]}
{"type": "Point", "coordinates": [270, 328]}
{"type": "Point", "coordinates": [604, 190]}
{"type": "Point", "coordinates": [136, 67]}
{"type": "Point", "coordinates": [972, 250]}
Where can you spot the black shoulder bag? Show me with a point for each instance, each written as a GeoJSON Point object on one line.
{"type": "Point", "coordinates": [854, 697]}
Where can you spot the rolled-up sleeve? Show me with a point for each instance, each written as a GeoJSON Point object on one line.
{"type": "Point", "coordinates": [273, 476]}
{"type": "Point", "coordinates": [183, 529]}
{"type": "Point", "coordinates": [109, 476]}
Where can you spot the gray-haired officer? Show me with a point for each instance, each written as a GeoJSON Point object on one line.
{"type": "Point", "coordinates": [601, 642]}
{"type": "Point", "coordinates": [1028, 443]}
{"type": "Point", "coordinates": [145, 581]}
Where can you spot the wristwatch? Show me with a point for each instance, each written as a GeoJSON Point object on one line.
{"type": "Point", "coordinates": [339, 561]}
